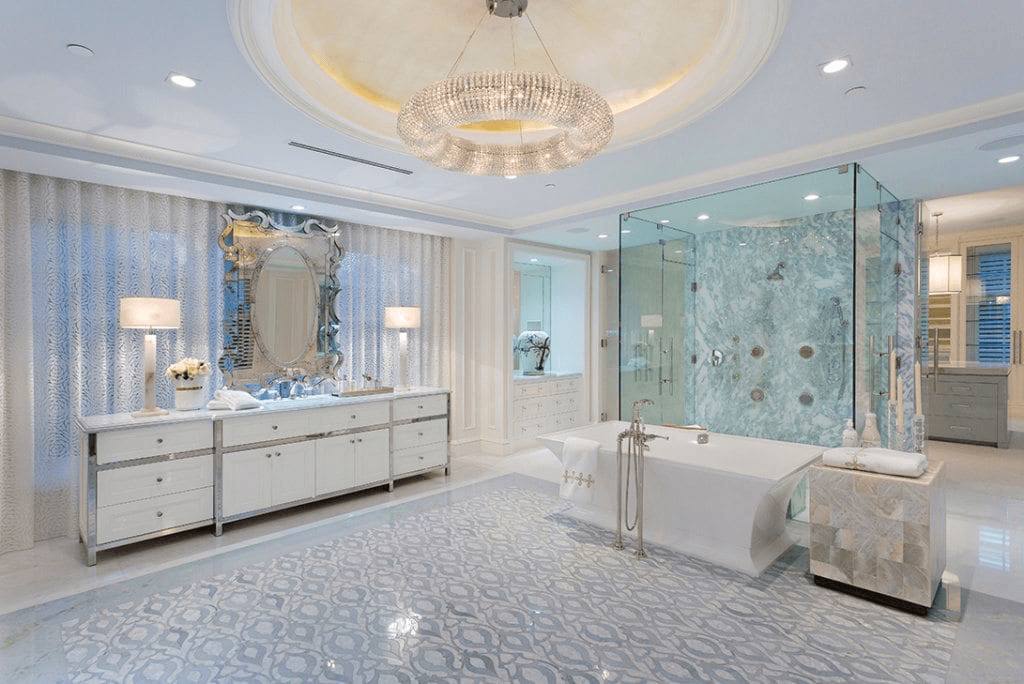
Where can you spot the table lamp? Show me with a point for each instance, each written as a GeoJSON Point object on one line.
{"type": "Point", "coordinates": [403, 318]}
{"type": "Point", "coordinates": [149, 313]}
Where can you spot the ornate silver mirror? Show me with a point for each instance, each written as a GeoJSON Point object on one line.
{"type": "Point", "coordinates": [280, 283]}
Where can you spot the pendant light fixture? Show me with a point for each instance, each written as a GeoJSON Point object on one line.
{"type": "Point", "coordinates": [945, 270]}
{"type": "Point", "coordinates": [582, 117]}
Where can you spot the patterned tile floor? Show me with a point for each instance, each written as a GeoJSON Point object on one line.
{"type": "Point", "coordinates": [482, 581]}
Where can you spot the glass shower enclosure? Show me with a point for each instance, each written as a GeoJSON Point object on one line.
{"type": "Point", "coordinates": [768, 311]}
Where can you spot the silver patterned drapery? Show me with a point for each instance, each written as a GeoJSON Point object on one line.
{"type": "Point", "coordinates": [69, 251]}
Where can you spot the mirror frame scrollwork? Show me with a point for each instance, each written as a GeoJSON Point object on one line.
{"type": "Point", "coordinates": [248, 241]}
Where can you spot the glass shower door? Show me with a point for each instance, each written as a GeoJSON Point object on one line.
{"type": "Point", "coordinates": [655, 305]}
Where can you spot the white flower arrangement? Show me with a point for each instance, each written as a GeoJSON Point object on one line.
{"type": "Point", "coordinates": [187, 368]}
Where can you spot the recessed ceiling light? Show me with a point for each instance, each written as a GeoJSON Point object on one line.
{"type": "Point", "coordinates": [533, 261]}
{"type": "Point", "coordinates": [625, 231]}
{"type": "Point", "coordinates": [549, 185]}
{"type": "Point", "coordinates": [856, 90]}
{"type": "Point", "coordinates": [679, 251]}
{"type": "Point", "coordinates": [602, 236]}
{"type": "Point", "coordinates": [703, 217]}
{"type": "Point", "coordinates": [510, 177]}
{"type": "Point", "coordinates": [297, 207]}
{"type": "Point", "coordinates": [182, 80]}
{"type": "Point", "coordinates": [1009, 160]}
{"type": "Point", "coordinates": [664, 220]}
{"type": "Point", "coordinates": [811, 197]}
{"type": "Point", "coordinates": [80, 50]}
{"type": "Point", "coordinates": [835, 66]}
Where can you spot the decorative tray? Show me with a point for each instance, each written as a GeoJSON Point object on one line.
{"type": "Point", "coordinates": [366, 391]}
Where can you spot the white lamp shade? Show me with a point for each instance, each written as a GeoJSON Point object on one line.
{"type": "Point", "coordinates": [150, 312]}
{"type": "Point", "coordinates": [945, 273]}
{"type": "Point", "coordinates": [401, 317]}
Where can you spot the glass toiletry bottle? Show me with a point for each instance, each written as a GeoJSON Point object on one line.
{"type": "Point", "coordinates": [850, 436]}
{"type": "Point", "coordinates": [870, 436]}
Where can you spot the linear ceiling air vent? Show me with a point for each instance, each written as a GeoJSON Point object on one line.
{"type": "Point", "coordinates": [332, 153]}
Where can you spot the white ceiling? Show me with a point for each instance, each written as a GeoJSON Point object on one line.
{"type": "Point", "coordinates": [941, 78]}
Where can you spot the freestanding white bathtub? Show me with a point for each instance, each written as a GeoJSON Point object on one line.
{"type": "Point", "coordinates": [724, 501]}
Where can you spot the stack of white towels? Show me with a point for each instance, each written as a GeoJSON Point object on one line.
{"type": "Point", "coordinates": [877, 460]}
{"type": "Point", "coordinates": [232, 400]}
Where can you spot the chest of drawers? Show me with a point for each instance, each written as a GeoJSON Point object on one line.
{"type": "Point", "coordinates": [967, 408]}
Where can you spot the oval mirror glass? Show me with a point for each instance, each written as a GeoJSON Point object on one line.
{"type": "Point", "coordinates": [285, 306]}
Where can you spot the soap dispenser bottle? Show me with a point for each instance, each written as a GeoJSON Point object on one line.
{"type": "Point", "coordinates": [850, 436]}
{"type": "Point", "coordinates": [870, 436]}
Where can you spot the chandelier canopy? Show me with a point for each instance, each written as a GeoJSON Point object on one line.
{"type": "Point", "coordinates": [582, 118]}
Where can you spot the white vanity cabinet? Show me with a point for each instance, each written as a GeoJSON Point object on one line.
{"type": "Point", "coordinates": [258, 479]}
{"type": "Point", "coordinates": [143, 478]}
{"type": "Point", "coordinates": [351, 461]}
{"type": "Point", "coordinates": [548, 403]}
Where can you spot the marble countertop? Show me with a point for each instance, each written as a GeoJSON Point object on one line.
{"type": "Point", "coordinates": [970, 368]}
{"type": "Point", "coordinates": [518, 376]}
{"type": "Point", "coordinates": [117, 421]}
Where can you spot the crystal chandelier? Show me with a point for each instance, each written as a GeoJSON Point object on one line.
{"type": "Point", "coordinates": [582, 117]}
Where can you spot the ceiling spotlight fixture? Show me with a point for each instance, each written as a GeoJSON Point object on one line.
{"type": "Point", "coordinates": [582, 116]}
{"type": "Point", "coordinates": [549, 185]}
{"type": "Point", "coordinates": [703, 217]}
{"type": "Point", "coordinates": [625, 231]}
{"type": "Point", "coordinates": [511, 177]}
{"type": "Point", "coordinates": [811, 197]}
{"type": "Point", "coordinates": [182, 80]}
{"type": "Point", "coordinates": [602, 236]}
{"type": "Point", "coordinates": [1009, 160]}
{"type": "Point", "coordinates": [835, 66]}
{"type": "Point", "coordinates": [297, 207]}
{"type": "Point", "coordinates": [80, 50]}
{"type": "Point", "coordinates": [533, 261]}
{"type": "Point", "coordinates": [664, 221]}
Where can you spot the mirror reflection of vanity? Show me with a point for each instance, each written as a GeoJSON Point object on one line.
{"type": "Point", "coordinates": [280, 285]}
{"type": "Point", "coordinates": [550, 293]}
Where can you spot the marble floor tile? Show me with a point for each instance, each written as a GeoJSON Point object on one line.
{"type": "Point", "coordinates": [760, 629]}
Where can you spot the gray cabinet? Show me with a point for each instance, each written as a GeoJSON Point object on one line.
{"type": "Point", "coordinates": [963, 407]}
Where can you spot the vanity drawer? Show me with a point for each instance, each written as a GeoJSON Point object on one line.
{"type": "Point", "coordinates": [566, 386]}
{"type": "Point", "coordinates": [152, 515]}
{"type": "Point", "coordinates": [152, 440]}
{"type": "Point", "coordinates": [969, 429]}
{"type": "Point", "coordinates": [560, 403]}
{"type": "Point", "coordinates": [263, 426]}
{"type": "Point", "coordinates": [354, 416]}
{"type": "Point", "coordinates": [420, 407]}
{"type": "Point", "coordinates": [419, 458]}
{"type": "Point", "coordinates": [961, 407]}
{"type": "Point", "coordinates": [966, 389]}
{"type": "Point", "coordinates": [417, 434]}
{"type": "Point", "coordinates": [120, 485]}
{"type": "Point", "coordinates": [526, 390]}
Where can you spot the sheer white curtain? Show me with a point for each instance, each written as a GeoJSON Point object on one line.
{"type": "Point", "coordinates": [385, 268]}
{"type": "Point", "coordinates": [68, 252]}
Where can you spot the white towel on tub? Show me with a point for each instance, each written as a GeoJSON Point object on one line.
{"type": "Point", "coordinates": [877, 460]}
{"type": "Point", "coordinates": [580, 479]}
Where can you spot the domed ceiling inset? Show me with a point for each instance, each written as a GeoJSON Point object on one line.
{"type": "Point", "coordinates": [660, 65]}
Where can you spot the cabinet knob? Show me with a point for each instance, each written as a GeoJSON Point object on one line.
{"type": "Point", "coordinates": [420, 406]}
{"type": "Point", "coordinates": [277, 453]}
{"type": "Point", "coordinates": [420, 457]}
{"type": "Point", "coordinates": [353, 416]}
{"type": "Point", "coordinates": [273, 427]}
{"type": "Point", "coordinates": [420, 434]}
{"type": "Point", "coordinates": [159, 479]}
{"type": "Point", "coordinates": [269, 455]}
{"type": "Point", "coordinates": [159, 514]}
{"type": "Point", "coordinates": [359, 440]}
{"type": "Point", "coordinates": [159, 440]}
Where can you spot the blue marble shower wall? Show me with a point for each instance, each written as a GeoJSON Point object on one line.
{"type": "Point", "coordinates": [776, 302]}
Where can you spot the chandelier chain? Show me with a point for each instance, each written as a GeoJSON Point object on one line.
{"type": "Point", "coordinates": [541, 41]}
{"type": "Point", "coordinates": [468, 40]}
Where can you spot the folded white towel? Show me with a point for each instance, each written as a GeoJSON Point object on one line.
{"type": "Point", "coordinates": [877, 460]}
{"type": "Point", "coordinates": [217, 405]}
{"type": "Point", "coordinates": [581, 477]}
{"type": "Point", "coordinates": [236, 400]}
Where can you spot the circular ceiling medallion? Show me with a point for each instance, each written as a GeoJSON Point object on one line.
{"type": "Point", "coordinates": [659, 65]}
